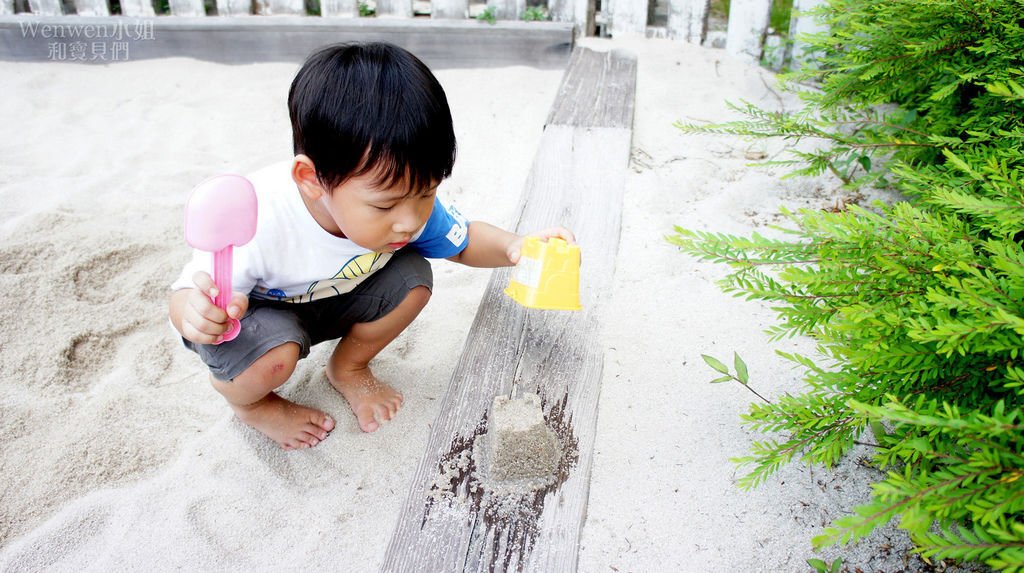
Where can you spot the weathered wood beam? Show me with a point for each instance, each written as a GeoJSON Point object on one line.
{"type": "Point", "coordinates": [339, 8]}
{"type": "Point", "coordinates": [439, 43]}
{"type": "Point", "coordinates": [92, 8]}
{"type": "Point", "coordinates": [394, 8]}
{"type": "Point", "coordinates": [803, 23]}
{"type": "Point", "coordinates": [507, 9]}
{"type": "Point", "coordinates": [449, 521]}
{"type": "Point", "coordinates": [597, 90]}
{"type": "Point", "coordinates": [278, 7]}
{"type": "Point", "coordinates": [234, 7]}
{"type": "Point", "coordinates": [748, 25]}
{"type": "Point", "coordinates": [134, 9]}
{"type": "Point", "coordinates": [45, 7]}
{"type": "Point", "coordinates": [187, 8]}
{"type": "Point", "coordinates": [629, 17]}
{"type": "Point", "coordinates": [688, 20]}
{"type": "Point", "coordinates": [449, 9]}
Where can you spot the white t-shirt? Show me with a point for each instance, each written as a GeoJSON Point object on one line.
{"type": "Point", "coordinates": [293, 259]}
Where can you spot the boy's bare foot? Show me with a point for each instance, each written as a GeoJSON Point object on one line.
{"type": "Point", "coordinates": [372, 401]}
{"type": "Point", "coordinates": [292, 426]}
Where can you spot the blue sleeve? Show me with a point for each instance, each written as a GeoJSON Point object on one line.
{"type": "Point", "coordinates": [445, 235]}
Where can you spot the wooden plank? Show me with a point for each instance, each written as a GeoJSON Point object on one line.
{"type": "Point", "coordinates": [688, 20]}
{"type": "Point", "coordinates": [394, 8]}
{"type": "Point", "coordinates": [629, 18]}
{"type": "Point", "coordinates": [45, 7]}
{"type": "Point", "coordinates": [801, 24]}
{"type": "Point", "coordinates": [748, 25]}
{"type": "Point", "coordinates": [92, 8]}
{"type": "Point", "coordinates": [234, 7]}
{"type": "Point", "coordinates": [439, 43]}
{"type": "Point", "coordinates": [585, 17]}
{"type": "Point", "coordinates": [187, 8]}
{"type": "Point", "coordinates": [279, 7]}
{"type": "Point", "coordinates": [449, 9]}
{"type": "Point", "coordinates": [579, 12]}
{"type": "Point", "coordinates": [136, 9]}
{"type": "Point", "coordinates": [339, 8]}
{"type": "Point", "coordinates": [578, 103]}
{"type": "Point", "coordinates": [451, 523]}
{"type": "Point", "coordinates": [507, 9]}
{"type": "Point", "coordinates": [561, 10]}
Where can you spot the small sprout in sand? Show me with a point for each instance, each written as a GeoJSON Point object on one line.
{"type": "Point", "coordinates": [820, 566]}
{"type": "Point", "coordinates": [741, 376]}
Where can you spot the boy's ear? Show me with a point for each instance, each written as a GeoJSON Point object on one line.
{"type": "Point", "coordinates": [304, 175]}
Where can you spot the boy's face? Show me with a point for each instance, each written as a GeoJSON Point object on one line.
{"type": "Point", "coordinates": [374, 217]}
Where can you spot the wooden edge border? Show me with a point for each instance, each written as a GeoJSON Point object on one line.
{"type": "Point", "coordinates": [250, 39]}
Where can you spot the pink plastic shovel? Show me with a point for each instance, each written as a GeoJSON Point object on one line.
{"type": "Point", "coordinates": [220, 215]}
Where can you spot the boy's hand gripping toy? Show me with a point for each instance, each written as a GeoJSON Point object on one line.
{"type": "Point", "coordinates": [547, 276]}
{"type": "Point", "coordinates": [221, 214]}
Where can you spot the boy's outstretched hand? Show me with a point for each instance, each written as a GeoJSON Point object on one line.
{"type": "Point", "coordinates": [195, 316]}
{"type": "Point", "coordinates": [492, 247]}
{"type": "Point", "coordinates": [516, 246]}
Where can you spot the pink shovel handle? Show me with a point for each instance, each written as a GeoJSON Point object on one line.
{"type": "Point", "coordinates": [222, 278]}
{"type": "Point", "coordinates": [220, 214]}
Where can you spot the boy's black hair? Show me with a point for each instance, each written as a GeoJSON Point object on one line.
{"type": "Point", "coordinates": [358, 107]}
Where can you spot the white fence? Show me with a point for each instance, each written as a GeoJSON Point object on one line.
{"type": "Point", "coordinates": [687, 20]}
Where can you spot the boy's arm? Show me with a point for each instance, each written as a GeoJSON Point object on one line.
{"type": "Point", "coordinates": [490, 247]}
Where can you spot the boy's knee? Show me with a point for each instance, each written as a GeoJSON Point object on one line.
{"type": "Point", "coordinates": [418, 297]}
{"type": "Point", "coordinates": [273, 368]}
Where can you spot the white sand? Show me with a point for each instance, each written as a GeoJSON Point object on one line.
{"type": "Point", "coordinates": [117, 454]}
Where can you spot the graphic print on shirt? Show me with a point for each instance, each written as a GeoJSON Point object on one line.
{"type": "Point", "coordinates": [351, 274]}
{"type": "Point", "coordinates": [457, 234]}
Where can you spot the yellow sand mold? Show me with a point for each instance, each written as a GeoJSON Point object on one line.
{"type": "Point", "coordinates": [547, 276]}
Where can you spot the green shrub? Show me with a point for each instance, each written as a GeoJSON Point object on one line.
{"type": "Point", "coordinates": [918, 307]}
{"type": "Point", "coordinates": [933, 59]}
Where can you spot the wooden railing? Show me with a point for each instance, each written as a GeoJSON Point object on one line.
{"type": "Point", "coordinates": [687, 20]}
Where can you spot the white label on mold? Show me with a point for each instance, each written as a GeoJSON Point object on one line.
{"type": "Point", "coordinates": [527, 272]}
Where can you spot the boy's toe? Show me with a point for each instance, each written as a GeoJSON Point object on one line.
{"type": "Point", "coordinates": [327, 423]}
{"type": "Point", "coordinates": [392, 408]}
{"type": "Point", "coordinates": [370, 425]}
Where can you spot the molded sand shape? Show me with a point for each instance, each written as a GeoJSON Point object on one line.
{"type": "Point", "coordinates": [519, 446]}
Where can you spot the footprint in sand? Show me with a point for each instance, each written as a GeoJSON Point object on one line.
{"type": "Point", "coordinates": [86, 354]}
{"type": "Point", "coordinates": [121, 284]}
{"type": "Point", "coordinates": [47, 547]}
{"type": "Point", "coordinates": [103, 277]}
{"type": "Point", "coordinates": [27, 258]}
{"type": "Point", "coordinates": [211, 526]}
{"type": "Point", "coordinates": [158, 361]}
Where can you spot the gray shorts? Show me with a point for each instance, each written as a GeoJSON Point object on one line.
{"type": "Point", "coordinates": [269, 324]}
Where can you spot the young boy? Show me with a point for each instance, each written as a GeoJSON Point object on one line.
{"type": "Point", "coordinates": [339, 250]}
